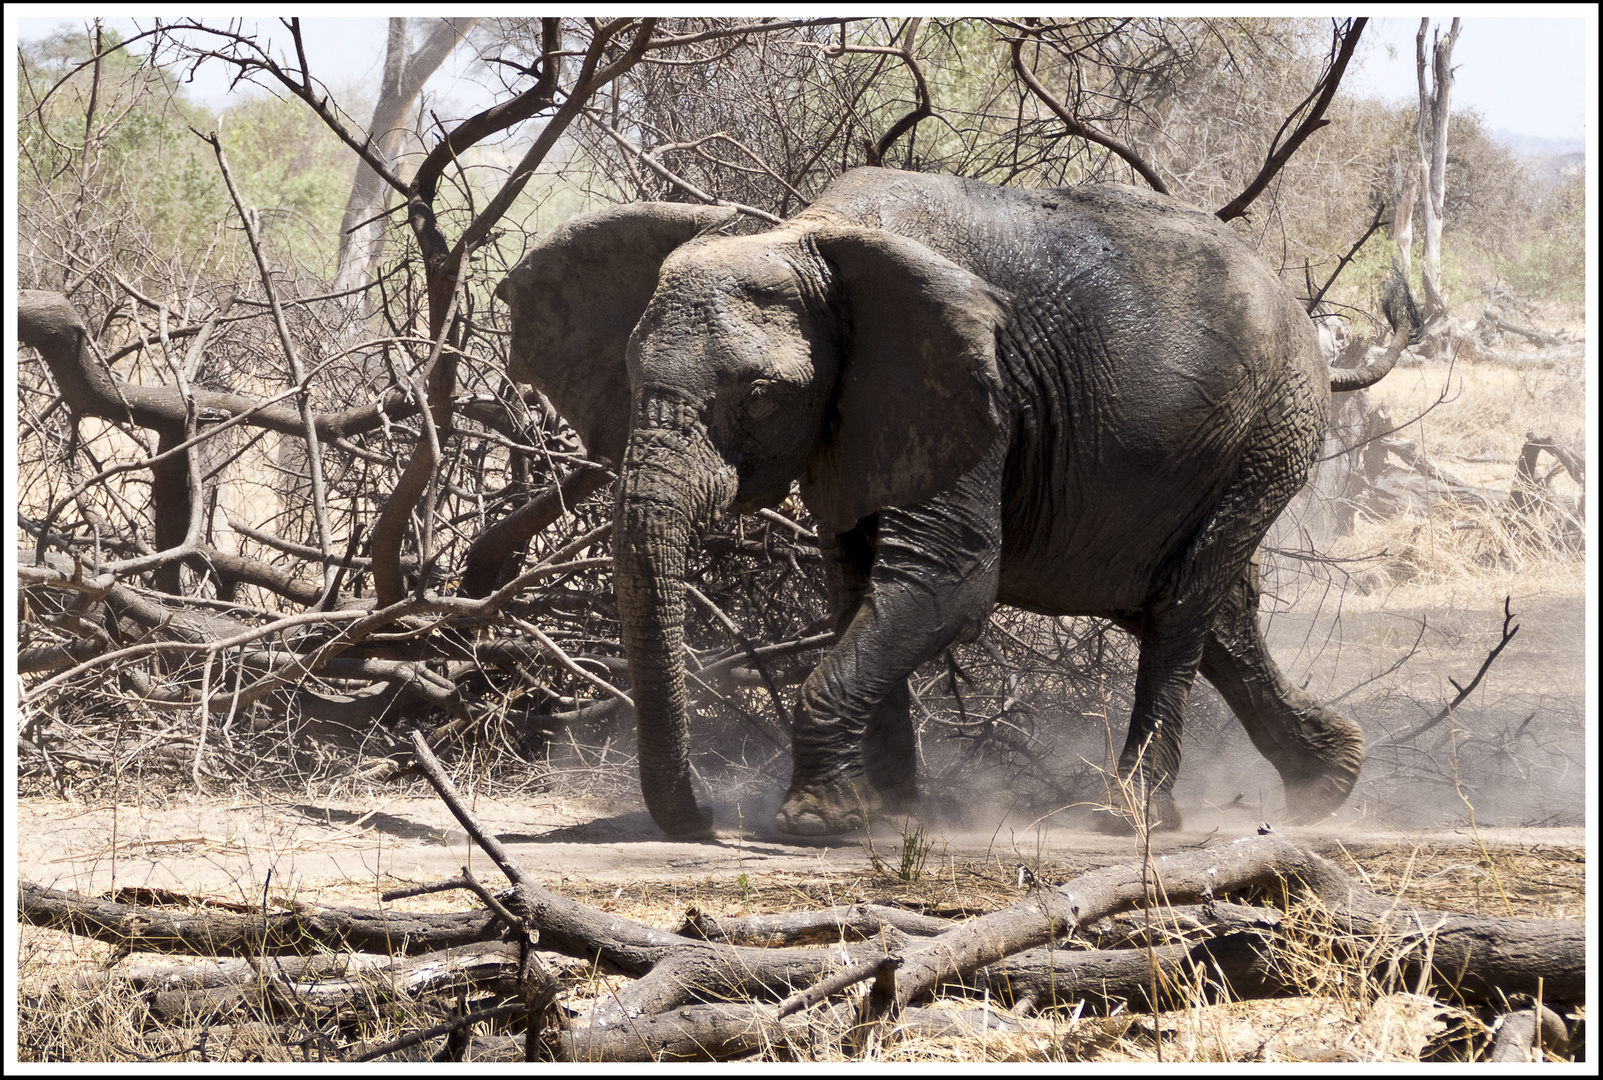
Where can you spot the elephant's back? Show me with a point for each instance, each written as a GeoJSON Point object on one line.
{"type": "Point", "coordinates": [1151, 304]}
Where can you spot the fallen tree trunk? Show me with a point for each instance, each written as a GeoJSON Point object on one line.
{"type": "Point", "coordinates": [1537, 337]}
{"type": "Point", "coordinates": [859, 921]}
{"type": "Point", "coordinates": [356, 983]}
{"type": "Point", "coordinates": [209, 932]}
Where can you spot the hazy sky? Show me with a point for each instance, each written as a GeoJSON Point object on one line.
{"type": "Point", "coordinates": [1527, 75]}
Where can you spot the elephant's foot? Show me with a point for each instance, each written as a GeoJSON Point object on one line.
{"type": "Point", "coordinates": [1159, 813]}
{"type": "Point", "coordinates": [1312, 799]}
{"type": "Point", "coordinates": [1318, 783]}
{"type": "Point", "coordinates": [829, 808]}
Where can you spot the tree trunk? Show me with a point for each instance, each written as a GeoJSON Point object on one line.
{"type": "Point", "coordinates": [1405, 188]}
{"type": "Point", "coordinates": [1430, 132]}
{"type": "Point", "coordinates": [362, 239]}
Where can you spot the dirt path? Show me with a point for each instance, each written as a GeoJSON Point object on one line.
{"type": "Point", "coordinates": [212, 847]}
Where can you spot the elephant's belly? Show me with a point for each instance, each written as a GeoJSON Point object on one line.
{"type": "Point", "coordinates": [1068, 554]}
{"type": "Point", "coordinates": [1070, 586]}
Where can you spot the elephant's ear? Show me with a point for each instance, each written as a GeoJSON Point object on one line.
{"type": "Point", "coordinates": [918, 389]}
{"type": "Point", "coordinates": [576, 297]}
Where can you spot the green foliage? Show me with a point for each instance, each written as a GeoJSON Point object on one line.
{"type": "Point", "coordinates": [1552, 261]}
{"type": "Point", "coordinates": [100, 146]}
{"type": "Point", "coordinates": [147, 177]}
{"type": "Point", "coordinates": [1498, 226]}
{"type": "Point", "coordinates": [295, 171]}
{"type": "Point", "coordinates": [912, 855]}
{"type": "Point", "coordinates": [1363, 282]}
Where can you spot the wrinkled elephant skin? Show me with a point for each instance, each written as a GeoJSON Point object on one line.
{"type": "Point", "coordinates": [1087, 401]}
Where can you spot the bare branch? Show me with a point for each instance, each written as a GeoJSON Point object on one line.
{"type": "Point", "coordinates": [1280, 153]}
{"type": "Point", "coordinates": [1076, 128]}
{"type": "Point", "coordinates": [314, 456]}
{"type": "Point", "coordinates": [1465, 691]}
{"type": "Point", "coordinates": [650, 161]}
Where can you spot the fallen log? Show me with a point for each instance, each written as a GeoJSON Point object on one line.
{"type": "Point", "coordinates": [691, 996]}
{"type": "Point", "coordinates": [208, 932]}
{"type": "Point", "coordinates": [1537, 337]}
{"type": "Point", "coordinates": [1529, 492]}
{"type": "Point", "coordinates": [356, 983]}
{"type": "Point", "coordinates": [692, 1033]}
{"type": "Point", "coordinates": [722, 1032]}
{"type": "Point", "coordinates": [1174, 923]}
{"type": "Point", "coordinates": [1471, 957]}
{"type": "Point", "coordinates": [848, 921]}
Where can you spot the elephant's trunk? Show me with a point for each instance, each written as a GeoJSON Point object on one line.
{"type": "Point", "coordinates": [671, 486]}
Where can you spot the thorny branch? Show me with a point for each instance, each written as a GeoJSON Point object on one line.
{"type": "Point", "coordinates": [1323, 92]}
{"type": "Point", "coordinates": [1074, 125]}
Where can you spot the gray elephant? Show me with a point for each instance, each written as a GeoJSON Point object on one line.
{"type": "Point", "coordinates": [1084, 401]}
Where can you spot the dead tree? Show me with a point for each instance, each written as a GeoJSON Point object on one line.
{"type": "Point", "coordinates": [1430, 134]}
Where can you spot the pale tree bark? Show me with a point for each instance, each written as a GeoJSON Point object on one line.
{"type": "Point", "coordinates": [365, 225]}
{"type": "Point", "coordinates": [361, 237]}
{"type": "Point", "coordinates": [1405, 187]}
{"type": "Point", "coordinates": [1430, 132]}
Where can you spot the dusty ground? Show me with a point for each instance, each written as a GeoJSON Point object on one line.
{"type": "Point", "coordinates": [235, 850]}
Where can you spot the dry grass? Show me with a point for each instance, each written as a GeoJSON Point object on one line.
{"type": "Point", "coordinates": [1476, 434]}
{"type": "Point", "coordinates": [1490, 406]}
{"type": "Point", "coordinates": [1347, 1016]}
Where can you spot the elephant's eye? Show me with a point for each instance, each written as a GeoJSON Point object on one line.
{"type": "Point", "coordinates": [761, 402]}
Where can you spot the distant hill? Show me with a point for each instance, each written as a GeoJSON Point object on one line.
{"type": "Point", "coordinates": [1536, 145]}
{"type": "Point", "coordinates": [1549, 160]}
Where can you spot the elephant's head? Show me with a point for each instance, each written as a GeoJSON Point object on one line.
{"type": "Point", "coordinates": [853, 359]}
{"type": "Point", "coordinates": [575, 299]}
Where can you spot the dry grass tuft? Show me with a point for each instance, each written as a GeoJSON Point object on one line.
{"type": "Point", "coordinates": [1475, 435]}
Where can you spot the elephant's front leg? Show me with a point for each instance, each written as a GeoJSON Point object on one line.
{"type": "Point", "coordinates": [933, 583]}
{"type": "Point", "coordinates": [890, 750]}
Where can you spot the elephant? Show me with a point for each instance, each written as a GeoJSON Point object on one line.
{"type": "Point", "coordinates": [1078, 401]}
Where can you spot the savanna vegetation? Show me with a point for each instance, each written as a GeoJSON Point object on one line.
{"type": "Point", "coordinates": [284, 524]}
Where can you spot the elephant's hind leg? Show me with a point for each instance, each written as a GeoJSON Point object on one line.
{"type": "Point", "coordinates": [1317, 752]}
{"type": "Point", "coordinates": [1199, 612]}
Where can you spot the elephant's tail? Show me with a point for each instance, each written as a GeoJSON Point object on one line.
{"type": "Point", "coordinates": [1403, 315]}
